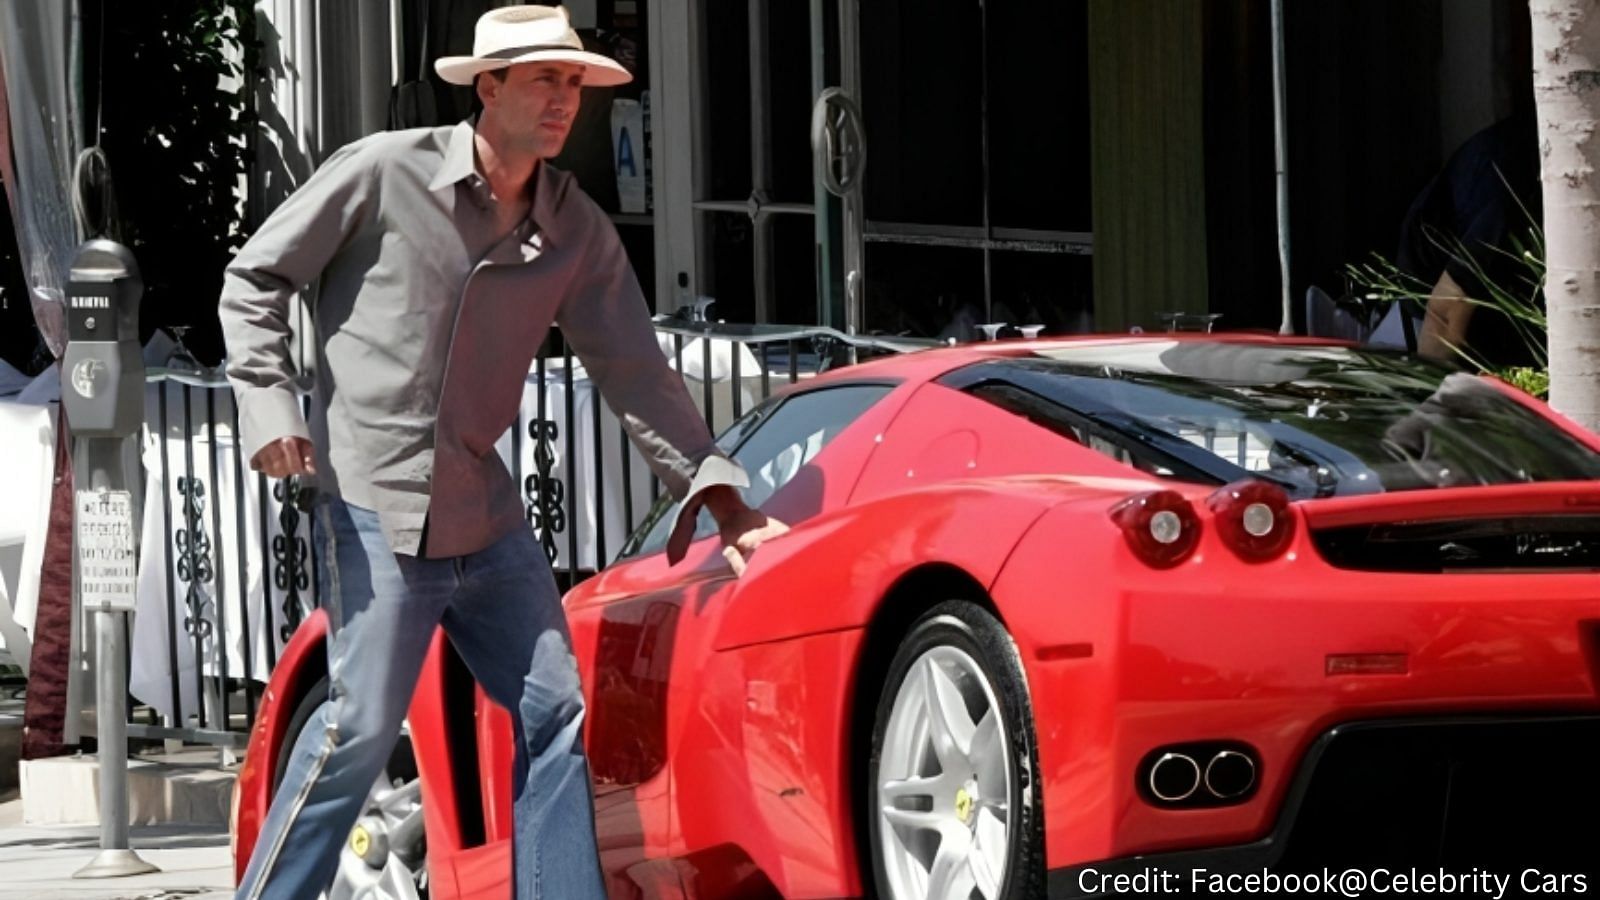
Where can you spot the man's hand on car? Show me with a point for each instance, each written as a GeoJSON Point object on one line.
{"type": "Point", "coordinates": [743, 529]}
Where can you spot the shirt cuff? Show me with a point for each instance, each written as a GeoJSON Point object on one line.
{"type": "Point", "coordinates": [266, 415]}
{"type": "Point", "coordinates": [714, 470]}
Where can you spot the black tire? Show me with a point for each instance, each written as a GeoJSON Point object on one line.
{"type": "Point", "coordinates": [402, 762]}
{"type": "Point", "coordinates": [976, 632]}
{"type": "Point", "coordinates": [303, 712]}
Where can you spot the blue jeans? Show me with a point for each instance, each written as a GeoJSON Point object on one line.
{"type": "Point", "coordinates": [502, 611]}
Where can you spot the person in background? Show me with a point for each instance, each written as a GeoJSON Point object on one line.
{"type": "Point", "coordinates": [1463, 234]}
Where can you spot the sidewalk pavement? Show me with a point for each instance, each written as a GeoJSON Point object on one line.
{"type": "Point", "coordinates": [37, 862]}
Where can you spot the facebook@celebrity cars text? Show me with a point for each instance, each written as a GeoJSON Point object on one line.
{"type": "Point", "coordinates": [1340, 882]}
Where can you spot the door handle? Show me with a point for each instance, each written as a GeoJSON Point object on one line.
{"type": "Point", "coordinates": [838, 141]}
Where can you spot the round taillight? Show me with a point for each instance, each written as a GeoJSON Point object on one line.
{"type": "Point", "coordinates": [1253, 519]}
{"type": "Point", "coordinates": [1159, 526]}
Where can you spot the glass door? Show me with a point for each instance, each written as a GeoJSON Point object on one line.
{"type": "Point", "coordinates": [755, 198]}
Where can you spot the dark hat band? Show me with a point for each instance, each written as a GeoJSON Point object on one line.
{"type": "Point", "coordinates": [514, 52]}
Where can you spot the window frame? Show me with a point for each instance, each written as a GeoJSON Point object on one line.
{"type": "Point", "coordinates": [638, 545]}
{"type": "Point", "coordinates": [1188, 462]}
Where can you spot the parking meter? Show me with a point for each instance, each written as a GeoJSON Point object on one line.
{"type": "Point", "coordinates": [103, 369]}
{"type": "Point", "coordinates": [102, 399]}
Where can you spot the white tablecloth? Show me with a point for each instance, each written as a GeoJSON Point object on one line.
{"type": "Point", "coordinates": [27, 452]}
{"type": "Point", "coordinates": [205, 590]}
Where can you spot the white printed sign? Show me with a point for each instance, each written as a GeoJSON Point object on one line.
{"type": "Point", "coordinates": [627, 146]}
{"type": "Point", "coordinates": [106, 565]}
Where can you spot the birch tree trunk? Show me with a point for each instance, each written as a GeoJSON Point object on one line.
{"type": "Point", "coordinates": [1566, 86]}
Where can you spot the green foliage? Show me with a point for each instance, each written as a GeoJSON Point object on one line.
{"type": "Point", "coordinates": [1528, 379]}
{"type": "Point", "coordinates": [1517, 298]}
{"type": "Point", "coordinates": [175, 102]}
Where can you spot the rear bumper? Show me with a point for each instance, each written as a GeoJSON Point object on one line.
{"type": "Point", "coordinates": [1471, 797]}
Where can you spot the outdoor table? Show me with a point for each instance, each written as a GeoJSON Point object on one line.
{"type": "Point", "coordinates": [202, 550]}
{"type": "Point", "coordinates": [27, 455]}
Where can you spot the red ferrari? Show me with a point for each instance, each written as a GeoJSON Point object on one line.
{"type": "Point", "coordinates": [1053, 617]}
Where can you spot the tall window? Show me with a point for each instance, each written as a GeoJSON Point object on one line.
{"type": "Point", "coordinates": [977, 181]}
{"type": "Point", "coordinates": [755, 204]}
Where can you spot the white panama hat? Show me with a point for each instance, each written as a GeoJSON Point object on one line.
{"type": "Point", "coordinates": [521, 34]}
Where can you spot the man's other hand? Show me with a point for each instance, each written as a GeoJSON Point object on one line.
{"type": "Point", "coordinates": [284, 457]}
{"type": "Point", "coordinates": [743, 529]}
{"type": "Point", "coordinates": [743, 532]}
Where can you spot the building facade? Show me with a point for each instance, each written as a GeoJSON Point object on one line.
{"type": "Point", "coordinates": [1076, 164]}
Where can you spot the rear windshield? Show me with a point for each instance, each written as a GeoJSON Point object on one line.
{"type": "Point", "coordinates": [1320, 421]}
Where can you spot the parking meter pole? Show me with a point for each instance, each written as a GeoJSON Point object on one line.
{"type": "Point", "coordinates": [98, 467]}
{"type": "Point", "coordinates": [103, 401]}
{"type": "Point", "coordinates": [115, 859]}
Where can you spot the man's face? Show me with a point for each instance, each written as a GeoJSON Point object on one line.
{"type": "Point", "coordinates": [535, 104]}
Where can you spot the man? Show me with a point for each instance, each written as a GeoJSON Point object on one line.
{"type": "Point", "coordinates": [444, 256]}
{"type": "Point", "coordinates": [1465, 233]}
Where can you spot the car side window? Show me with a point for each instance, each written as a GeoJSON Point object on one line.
{"type": "Point", "coordinates": [773, 443]}
{"type": "Point", "coordinates": [1056, 418]}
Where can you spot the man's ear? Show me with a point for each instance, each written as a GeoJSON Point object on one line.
{"type": "Point", "coordinates": [486, 86]}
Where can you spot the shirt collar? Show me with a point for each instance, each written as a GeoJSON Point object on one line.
{"type": "Point", "coordinates": [551, 190]}
{"type": "Point", "coordinates": [548, 184]}
{"type": "Point", "coordinates": [458, 157]}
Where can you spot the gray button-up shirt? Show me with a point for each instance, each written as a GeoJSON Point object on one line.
{"type": "Point", "coordinates": [428, 321]}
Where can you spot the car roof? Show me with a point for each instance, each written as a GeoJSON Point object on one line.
{"type": "Point", "coordinates": [1089, 349]}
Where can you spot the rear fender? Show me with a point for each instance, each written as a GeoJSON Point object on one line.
{"type": "Point", "coordinates": [303, 662]}
{"type": "Point", "coordinates": [832, 573]}
{"type": "Point", "coordinates": [300, 666]}
{"type": "Point", "coordinates": [1059, 597]}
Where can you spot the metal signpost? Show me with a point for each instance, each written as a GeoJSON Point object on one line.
{"type": "Point", "coordinates": [102, 399]}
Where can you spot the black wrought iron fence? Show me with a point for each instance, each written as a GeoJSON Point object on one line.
{"type": "Point", "coordinates": [228, 558]}
{"type": "Point", "coordinates": [226, 568]}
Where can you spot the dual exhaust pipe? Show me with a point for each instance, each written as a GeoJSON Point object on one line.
{"type": "Point", "coordinates": [1199, 775]}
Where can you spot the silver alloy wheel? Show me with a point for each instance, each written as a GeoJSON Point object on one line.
{"type": "Point", "coordinates": [392, 811]}
{"type": "Point", "coordinates": [944, 785]}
